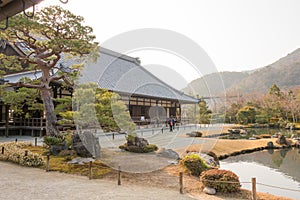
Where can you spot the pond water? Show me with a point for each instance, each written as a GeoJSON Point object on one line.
{"type": "Point", "coordinates": [279, 168]}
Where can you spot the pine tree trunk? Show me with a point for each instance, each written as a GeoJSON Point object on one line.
{"type": "Point", "coordinates": [51, 119]}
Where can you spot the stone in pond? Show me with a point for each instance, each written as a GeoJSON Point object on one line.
{"type": "Point", "coordinates": [209, 190]}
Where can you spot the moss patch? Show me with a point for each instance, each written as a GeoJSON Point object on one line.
{"type": "Point", "coordinates": [60, 163]}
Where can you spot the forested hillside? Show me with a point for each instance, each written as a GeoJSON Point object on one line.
{"type": "Point", "coordinates": [285, 73]}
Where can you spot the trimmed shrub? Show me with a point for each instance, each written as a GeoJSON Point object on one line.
{"type": "Point", "coordinates": [137, 145]}
{"type": "Point", "coordinates": [135, 149]}
{"type": "Point", "coordinates": [67, 153]}
{"type": "Point", "coordinates": [52, 140]}
{"type": "Point", "coordinates": [194, 164]}
{"type": "Point", "coordinates": [150, 148]}
{"type": "Point", "coordinates": [221, 180]}
{"type": "Point", "coordinates": [16, 152]}
{"type": "Point", "coordinates": [67, 136]}
{"type": "Point", "coordinates": [123, 146]}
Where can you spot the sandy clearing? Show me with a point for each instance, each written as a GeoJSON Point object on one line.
{"type": "Point", "coordinates": [18, 182]}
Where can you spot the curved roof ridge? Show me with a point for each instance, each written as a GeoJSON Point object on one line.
{"type": "Point", "coordinates": [119, 55]}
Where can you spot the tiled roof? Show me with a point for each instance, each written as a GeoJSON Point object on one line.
{"type": "Point", "coordinates": [13, 78]}
{"type": "Point", "coordinates": [124, 74]}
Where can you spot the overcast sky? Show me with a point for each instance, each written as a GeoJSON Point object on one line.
{"type": "Point", "coordinates": [237, 35]}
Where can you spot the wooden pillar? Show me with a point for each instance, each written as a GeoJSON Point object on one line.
{"type": "Point", "coordinates": [254, 197]}
{"type": "Point", "coordinates": [41, 125]}
{"type": "Point", "coordinates": [6, 119]}
{"type": "Point", "coordinates": [119, 175]}
{"type": "Point", "coordinates": [181, 182]}
{"type": "Point", "coordinates": [90, 170]}
{"type": "Point", "coordinates": [48, 163]}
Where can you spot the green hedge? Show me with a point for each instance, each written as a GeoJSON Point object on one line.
{"type": "Point", "coordinates": [194, 164]}
{"type": "Point", "coordinates": [135, 149]}
{"type": "Point", "coordinates": [222, 180]}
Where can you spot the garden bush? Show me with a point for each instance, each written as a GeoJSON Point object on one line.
{"type": "Point", "coordinates": [194, 164]}
{"type": "Point", "coordinates": [150, 148]}
{"type": "Point", "coordinates": [221, 180]}
{"type": "Point", "coordinates": [52, 140]}
{"type": "Point", "coordinates": [123, 146]}
{"type": "Point", "coordinates": [67, 136]}
{"type": "Point", "coordinates": [138, 145]}
{"type": "Point", "coordinates": [135, 149]}
{"type": "Point", "coordinates": [16, 152]}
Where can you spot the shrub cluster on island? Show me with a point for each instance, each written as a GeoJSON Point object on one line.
{"type": "Point", "coordinates": [136, 144]}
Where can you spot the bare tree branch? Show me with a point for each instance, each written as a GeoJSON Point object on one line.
{"type": "Point", "coordinates": [63, 77]}
{"type": "Point", "coordinates": [21, 84]}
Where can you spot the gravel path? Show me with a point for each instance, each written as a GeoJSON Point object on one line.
{"type": "Point", "coordinates": [18, 182]}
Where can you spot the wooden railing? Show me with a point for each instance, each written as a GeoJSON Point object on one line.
{"type": "Point", "coordinates": [32, 122]}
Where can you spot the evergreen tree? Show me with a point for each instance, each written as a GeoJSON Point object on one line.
{"type": "Point", "coordinates": [51, 35]}
{"type": "Point", "coordinates": [204, 114]}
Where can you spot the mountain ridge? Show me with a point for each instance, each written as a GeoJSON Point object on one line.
{"type": "Point", "coordinates": [285, 73]}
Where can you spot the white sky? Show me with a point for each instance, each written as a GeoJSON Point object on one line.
{"type": "Point", "coordinates": [236, 34]}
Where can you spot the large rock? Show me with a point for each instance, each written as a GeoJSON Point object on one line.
{"type": "Point", "coordinates": [80, 160]}
{"type": "Point", "coordinates": [192, 134]}
{"type": "Point", "coordinates": [141, 142]}
{"type": "Point", "coordinates": [270, 145]}
{"type": "Point", "coordinates": [210, 191]}
{"type": "Point", "coordinates": [297, 144]}
{"type": "Point", "coordinates": [86, 144]}
{"type": "Point", "coordinates": [195, 134]}
{"type": "Point", "coordinates": [210, 160]}
{"type": "Point", "coordinates": [56, 149]}
{"type": "Point", "coordinates": [282, 140]}
{"type": "Point", "coordinates": [168, 153]}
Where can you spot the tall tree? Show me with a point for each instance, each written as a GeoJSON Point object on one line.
{"type": "Point", "coordinates": [246, 114]}
{"type": "Point", "coordinates": [51, 35]}
{"type": "Point", "coordinates": [290, 106]}
{"type": "Point", "coordinates": [274, 90]}
{"type": "Point", "coordinates": [272, 102]}
{"type": "Point", "coordinates": [231, 112]}
{"type": "Point", "coordinates": [204, 114]}
{"type": "Point", "coordinates": [94, 106]}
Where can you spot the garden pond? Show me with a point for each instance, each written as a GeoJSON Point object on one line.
{"type": "Point", "coordinates": [275, 167]}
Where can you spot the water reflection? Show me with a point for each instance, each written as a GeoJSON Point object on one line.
{"type": "Point", "coordinates": [273, 167]}
{"type": "Point", "coordinates": [273, 131]}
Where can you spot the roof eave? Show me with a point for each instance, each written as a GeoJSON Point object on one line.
{"type": "Point", "coordinates": [14, 7]}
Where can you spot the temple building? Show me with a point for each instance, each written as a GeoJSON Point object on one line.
{"type": "Point", "coordinates": [147, 97]}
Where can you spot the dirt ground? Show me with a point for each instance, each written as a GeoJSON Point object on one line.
{"type": "Point", "coordinates": [17, 182]}
{"type": "Point", "coordinates": [31, 183]}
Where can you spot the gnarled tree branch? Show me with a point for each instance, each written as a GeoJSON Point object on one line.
{"type": "Point", "coordinates": [21, 84]}
{"type": "Point", "coordinates": [62, 77]}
